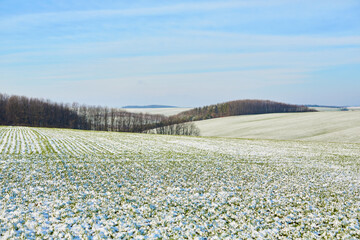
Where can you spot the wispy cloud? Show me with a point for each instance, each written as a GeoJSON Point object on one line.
{"type": "Point", "coordinates": [110, 66]}
{"type": "Point", "coordinates": [295, 9]}
{"type": "Point", "coordinates": [66, 16]}
{"type": "Point", "coordinates": [268, 40]}
{"type": "Point", "coordinates": [229, 49]}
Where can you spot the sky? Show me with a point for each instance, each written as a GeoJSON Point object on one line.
{"type": "Point", "coordinates": [182, 53]}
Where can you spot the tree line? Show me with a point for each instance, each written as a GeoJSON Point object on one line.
{"type": "Point", "coordinates": [239, 107]}
{"type": "Point", "coordinates": [34, 112]}
{"type": "Point", "coordinates": [23, 111]}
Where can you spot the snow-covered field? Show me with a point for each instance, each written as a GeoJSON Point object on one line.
{"type": "Point", "coordinates": [326, 109]}
{"type": "Point", "coordinates": [354, 108]}
{"type": "Point", "coordinates": [59, 184]}
{"type": "Point", "coordinates": [313, 126]}
{"type": "Point", "coordinates": [163, 111]}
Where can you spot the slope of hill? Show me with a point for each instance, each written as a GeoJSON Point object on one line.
{"type": "Point", "coordinates": [314, 126]}
{"type": "Point", "coordinates": [354, 108]}
{"type": "Point", "coordinates": [328, 109]}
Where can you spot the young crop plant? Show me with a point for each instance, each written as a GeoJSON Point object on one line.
{"type": "Point", "coordinates": [69, 184]}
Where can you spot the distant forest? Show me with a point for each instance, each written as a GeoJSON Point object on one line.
{"type": "Point", "coordinates": [239, 107]}
{"type": "Point", "coordinates": [34, 112]}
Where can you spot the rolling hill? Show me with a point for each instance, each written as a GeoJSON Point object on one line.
{"type": "Point", "coordinates": [312, 126]}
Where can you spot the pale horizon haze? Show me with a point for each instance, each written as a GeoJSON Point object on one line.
{"type": "Point", "coordinates": [181, 53]}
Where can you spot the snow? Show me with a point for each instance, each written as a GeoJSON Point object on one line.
{"type": "Point", "coordinates": [311, 126]}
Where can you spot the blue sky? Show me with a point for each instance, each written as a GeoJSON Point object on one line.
{"type": "Point", "coordinates": [183, 53]}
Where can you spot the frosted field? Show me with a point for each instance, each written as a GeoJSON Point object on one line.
{"type": "Point", "coordinates": [88, 185]}
{"type": "Point", "coordinates": [354, 108]}
{"type": "Point", "coordinates": [325, 109]}
{"type": "Point", "coordinates": [163, 111]}
{"type": "Point", "coordinates": [311, 126]}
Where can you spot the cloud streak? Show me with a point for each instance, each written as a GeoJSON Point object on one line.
{"type": "Point", "coordinates": [310, 10]}
{"type": "Point", "coordinates": [51, 17]}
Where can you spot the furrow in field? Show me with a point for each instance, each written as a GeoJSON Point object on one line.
{"type": "Point", "coordinates": [22, 142]}
{"type": "Point", "coordinates": [4, 139]}
{"type": "Point", "coordinates": [12, 141]}
{"type": "Point", "coordinates": [28, 146]}
{"type": "Point", "coordinates": [33, 142]}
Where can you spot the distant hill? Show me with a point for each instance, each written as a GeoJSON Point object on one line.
{"type": "Point", "coordinates": [239, 107]}
{"type": "Point", "coordinates": [335, 126]}
{"type": "Point", "coordinates": [163, 111]}
{"type": "Point", "coordinates": [150, 106]}
{"type": "Point", "coordinates": [324, 106]}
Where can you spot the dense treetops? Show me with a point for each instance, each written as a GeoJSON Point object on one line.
{"type": "Point", "coordinates": [23, 111]}
{"type": "Point", "coordinates": [239, 107]}
{"type": "Point", "coordinates": [33, 112]}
